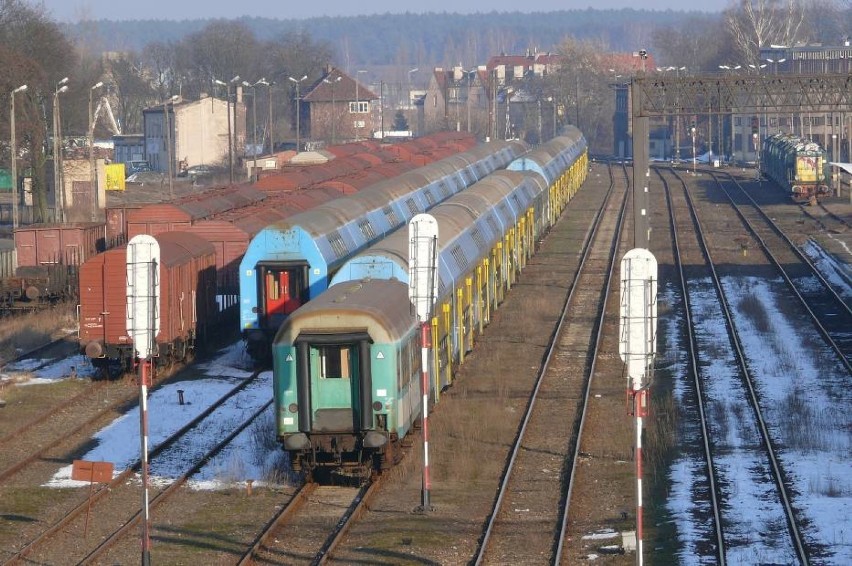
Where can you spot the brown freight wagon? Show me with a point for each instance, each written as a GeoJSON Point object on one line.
{"type": "Point", "coordinates": [116, 223]}
{"type": "Point", "coordinates": [187, 301]}
{"type": "Point", "coordinates": [67, 244]}
{"type": "Point", "coordinates": [182, 212]}
{"type": "Point", "coordinates": [299, 178]}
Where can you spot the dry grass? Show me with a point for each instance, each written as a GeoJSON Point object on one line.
{"type": "Point", "coordinates": [752, 307]}
{"type": "Point", "coordinates": [662, 434]}
{"type": "Point", "coordinates": [19, 334]}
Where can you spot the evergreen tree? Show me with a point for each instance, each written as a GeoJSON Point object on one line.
{"type": "Point", "coordinates": [400, 124]}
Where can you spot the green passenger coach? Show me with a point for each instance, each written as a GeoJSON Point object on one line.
{"type": "Point", "coordinates": [344, 399]}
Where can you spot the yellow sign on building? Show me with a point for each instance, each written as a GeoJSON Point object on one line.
{"type": "Point", "coordinates": [115, 177]}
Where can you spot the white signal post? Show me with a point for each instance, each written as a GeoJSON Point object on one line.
{"type": "Point", "coordinates": [143, 325]}
{"type": "Point", "coordinates": [637, 346]}
{"type": "Point", "coordinates": [422, 290]}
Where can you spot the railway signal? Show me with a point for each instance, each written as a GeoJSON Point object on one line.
{"type": "Point", "coordinates": [143, 325]}
{"type": "Point", "coordinates": [422, 291]}
{"type": "Point", "coordinates": [637, 345]}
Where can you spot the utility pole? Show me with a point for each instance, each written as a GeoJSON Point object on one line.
{"type": "Point", "coordinates": [14, 157]}
{"type": "Point", "coordinates": [167, 129]}
{"type": "Point", "coordinates": [298, 110]}
{"type": "Point", "coordinates": [92, 172]}
{"type": "Point", "coordinates": [329, 81]}
{"type": "Point", "coordinates": [57, 152]}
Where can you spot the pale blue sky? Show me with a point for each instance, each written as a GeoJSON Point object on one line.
{"type": "Point", "coordinates": [73, 10]}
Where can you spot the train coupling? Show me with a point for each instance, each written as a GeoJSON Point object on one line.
{"type": "Point", "coordinates": [297, 441]}
{"type": "Point", "coordinates": [374, 439]}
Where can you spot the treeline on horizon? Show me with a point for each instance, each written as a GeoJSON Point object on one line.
{"type": "Point", "coordinates": [414, 39]}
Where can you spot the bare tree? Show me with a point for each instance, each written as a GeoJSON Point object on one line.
{"type": "Point", "coordinates": [292, 55]}
{"type": "Point", "coordinates": [133, 91]}
{"type": "Point", "coordinates": [694, 44]}
{"type": "Point", "coordinates": [160, 60]}
{"type": "Point", "coordinates": [827, 22]}
{"type": "Point", "coordinates": [582, 90]}
{"type": "Point", "coordinates": [35, 53]}
{"type": "Point", "coordinates": [753, 24]}
{"type": "Point", "coordinates": [222, 50]}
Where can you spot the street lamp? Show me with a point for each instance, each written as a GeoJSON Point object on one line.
{"type": "Point", "coordinates": [357, 106]}
{"type": "Point", "coordinates": [774, 63]}
{"type": "Point", "coordinates": [232, 150]}
{"type": "Point", "coordinates": [692, 130]}
{"type": "Point", "coordinates": [57, 151]}
{"type": "Point", "coordinates": [616, 76]}
{"type": "Point", "coordinates": [408, 105]}
{"type": "Point", "coordinates": [298, 109]}
{"type": "Point", "coordinates": [231, 135]}
{"type": "Point", "coordinates": [167, 129]}
{"type": "Point", "coordinates": [253, 88]}
{"type": "Point", "coordinates": [332, 82]}
{"type": "Point", "coordinates": [677, 71]}
{"type": "Point", "coordinates": [15, 198]}
{"type": "Point", "coordinates": [93, 175]}
{"type": "Point", "coordinates": [508, 93]}
{"type": "Point", "coordinates": [217, 82]}
{"type": "Point", "coordinates": [268, 86]}
{"type": "Point", "coordinates": [552, 101]}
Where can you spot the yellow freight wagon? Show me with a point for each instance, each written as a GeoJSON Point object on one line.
{"type": "Point", "coordinates": [115, 177]}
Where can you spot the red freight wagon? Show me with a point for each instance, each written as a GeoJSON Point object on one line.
{"type": "Point", "coordinates": [287, 180]}
{"type": "Point", "coordinates": [52, 244]}
{"type": "Point", "coordinates": [187, 300]}
{"type": "Point", "coordinates": [355, 182]}
{"type": "Point", "coordinates": [182, 212]}
{"type": "Point", "coordinates": [299, 178]}
{"type": "Point", "coordinates": [116, 223]}
{"type": "Point", "coordinates": [344, 149]}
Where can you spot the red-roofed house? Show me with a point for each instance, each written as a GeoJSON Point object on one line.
{"type": "Point", "coordinates": [340, 109]}
{"type": "Point", "coordinates": [509, 68]}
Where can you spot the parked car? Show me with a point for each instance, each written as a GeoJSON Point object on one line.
{"type": "Point", "coordinates": [146, 178]}
{"type": "Point", "coordinates": [137, 167]}
{"type": "Point", "coordinates": [197, 171]}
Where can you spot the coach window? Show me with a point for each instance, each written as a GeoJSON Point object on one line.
{"type": "Point", "coordinates": [335, 362]}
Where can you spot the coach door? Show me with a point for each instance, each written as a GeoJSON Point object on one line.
{"type": "Point", "coordinates": [340, 382]}
{"type": "Point", "coordinates": [283, 287]}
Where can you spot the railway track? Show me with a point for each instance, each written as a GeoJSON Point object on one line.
{"type": "Point", "coordinates": [78, 406]}
{"type": "Point", "coordinates": [542, 292]}
{"type": "Point", "coordinates": [113, 501]}
{"type": "Point", "coordinates": [700, 286]}
{"type": "Point", "coordinates": [830, 314]}
{"type": "Point", "coordinates": [738, 467]}
{"type": "Point", "coordinates": [528, 519]}
{"type": "Point", "coordinates": [828, 220]}
{"type": "Point", "coordinates": [316, 520]}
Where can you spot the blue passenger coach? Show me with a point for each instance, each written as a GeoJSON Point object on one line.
{"type": "Point", "coordinates": [290, 262]}
{"type": "Point", "coordinates": [347, 366]}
